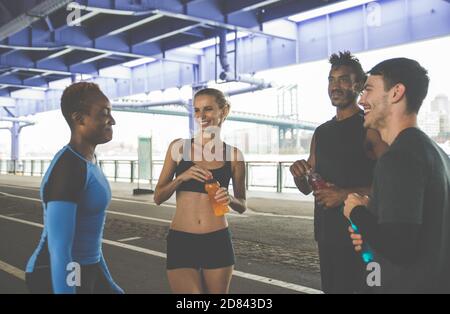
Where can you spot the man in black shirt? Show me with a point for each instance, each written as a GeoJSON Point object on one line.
{"type": "Point", "coordinates": [407, 220]}
{"type": "Point", "coordinates": [343, 152]}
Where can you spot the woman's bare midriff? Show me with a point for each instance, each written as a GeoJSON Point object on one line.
{"type": "Point", "coordinates": [194, 214]}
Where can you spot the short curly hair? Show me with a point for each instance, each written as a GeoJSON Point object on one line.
{"type": "Point", "coordinates": [75, 98]}
{"type": "Point", "coordinates": [345, 58]}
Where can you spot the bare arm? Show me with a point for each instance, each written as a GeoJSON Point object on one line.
{"type": "Point", "coordinates": [334, 196]}
{"type": "Point", "coordinates": [361, 190]}
{"type": "Point", "coordinates": [166, 186]}
{"type": "Point", "coordinates": [238, 202]}
{"type": "Point", "coordinates": [375, 146]}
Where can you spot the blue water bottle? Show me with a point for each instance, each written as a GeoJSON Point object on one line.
{"type": "Point", "coordinates": [366, 252]}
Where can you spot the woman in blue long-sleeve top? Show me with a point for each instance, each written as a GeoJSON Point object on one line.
{"type": "Point", "coordinates": [75, 195]}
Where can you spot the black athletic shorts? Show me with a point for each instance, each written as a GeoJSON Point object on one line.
{"type": "Point", "coordinates": [93, 281]}
{"type": "Point", "coordinates": [200, 251]}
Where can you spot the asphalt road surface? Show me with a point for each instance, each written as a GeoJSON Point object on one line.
{"type": "Point", "coordinates": [274, 253]}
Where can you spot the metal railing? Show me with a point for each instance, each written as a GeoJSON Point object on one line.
{"type": "Point", "coordinates": [261, 175]}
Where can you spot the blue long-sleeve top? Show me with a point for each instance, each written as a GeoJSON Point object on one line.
{"type": "Point", "coordinates": [75, 195]}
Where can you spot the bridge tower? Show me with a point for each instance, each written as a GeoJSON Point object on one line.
{"type": "Point", "coordinates": [287, 100]}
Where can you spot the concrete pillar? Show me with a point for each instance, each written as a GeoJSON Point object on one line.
{"type": "Point", "coordinates": [191, 118]}
{"type": "Point", "coordinates": [13, 164]}
{"type": "Point", "coordinates": [15, 132]}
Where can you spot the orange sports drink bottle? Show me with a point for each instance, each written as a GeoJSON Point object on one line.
{"type": "Point", "coordinates": [211, 186]}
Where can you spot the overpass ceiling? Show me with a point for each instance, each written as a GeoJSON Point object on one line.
{"type": "Point", "coordinates": [37, 46]}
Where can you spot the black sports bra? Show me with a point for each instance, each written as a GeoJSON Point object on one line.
{"type": "Point", "coordinates": [222, 174]}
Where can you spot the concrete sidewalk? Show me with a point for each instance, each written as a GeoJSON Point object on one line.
{"type": "Point", "coordinates": [292, 203]}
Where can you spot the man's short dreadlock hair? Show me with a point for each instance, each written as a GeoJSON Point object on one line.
{"type": "Point", "coordinates": [347, 59]}
{"type": "Point", "coordinates": [76, 97]}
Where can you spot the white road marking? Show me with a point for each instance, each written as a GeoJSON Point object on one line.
{"type": "Point", "coordinates": [129, 239]}
{"type": "Point", "coordinates": [21, 197]}
{"type": "Point", "coordinates": [15, 214]}
{"type": "Point", "coordinates": [141, 202]}
{"type": "Point", "coordinates": [20, 187]}
{"type": "Point", "coordinates": [26, 222]}
{"type": "Point", "coordinates": [138, 216]}
{"type": "Point", "coordinates": [116, 199]}
{"type": "Point", "coordinates": [252, 212]}
{"type": "Point", "coordinates": [16, 272]}
{"type": "Point", "coordinates": [274, 282]}
{"type": "Point", "coordinates": [281, 216]}
{"type": "Point", "coordinates": [135, 248]}
{"type": "Point", "coordinates": [108, 211]}
{"type": "Point", "coordinates": [261, 279]}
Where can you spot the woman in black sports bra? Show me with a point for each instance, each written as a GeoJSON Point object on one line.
{"type": "Point", "coordinates": [200, 255]}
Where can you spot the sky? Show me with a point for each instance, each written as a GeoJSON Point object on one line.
{"type": "Point", "coordinates": [51, 132]}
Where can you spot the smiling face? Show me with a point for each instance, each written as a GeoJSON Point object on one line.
{"type": "Point", "coordinates": [342, 86]}
{"type": "Point", "coordinates": [375, 101]}
{"type": "Point", "coordinates": [98, 121]}
{"type": "Point", "coordinates": [208, 113]}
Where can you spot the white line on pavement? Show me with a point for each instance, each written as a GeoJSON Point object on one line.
{"type": "Point", "coordinates": [114, 199]}
{"type": "Point", "coordinates": [26, 222]}
{"type": "Point", "coordinates": [129, 239]}
{"type": "Point", "coordinates": [21, 197]}
{"type": "Point", "coordinates": [278, 283]}
{"type": "Point", "coordinates": [252, 212]}
{"type": "Point", "coordinates": [282, 216]}
{"type": "Point", "coordinates": [16, 272]}
{"type": "Point", "coordinates": [108, 211]}
{"type": "Point", "coordinates": [261, 279]}
{"type": "Point", "coordinates": [138, 216]}
{"type": "Point", "coordinates": [19, 187]}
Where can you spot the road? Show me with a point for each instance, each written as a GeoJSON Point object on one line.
{"type": "Point", "coordinates": [274, 253]}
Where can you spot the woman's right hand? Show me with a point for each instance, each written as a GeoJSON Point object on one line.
{"type": "Point", "coordinates": [196, 173]}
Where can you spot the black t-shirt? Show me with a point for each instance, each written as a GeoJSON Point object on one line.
{"type": "Point", "coordinates": [411, 191]}
{"type": "Point", "coordinates": [341, 159]}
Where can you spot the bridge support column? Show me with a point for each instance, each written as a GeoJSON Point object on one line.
{"type": "Point", "coordinates": [191, 118]}
{"type": "Point", "coordinates": [15, 133]}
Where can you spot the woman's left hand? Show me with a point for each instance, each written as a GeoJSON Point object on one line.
{"type": "Point", "coordinates": [222, 196]}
